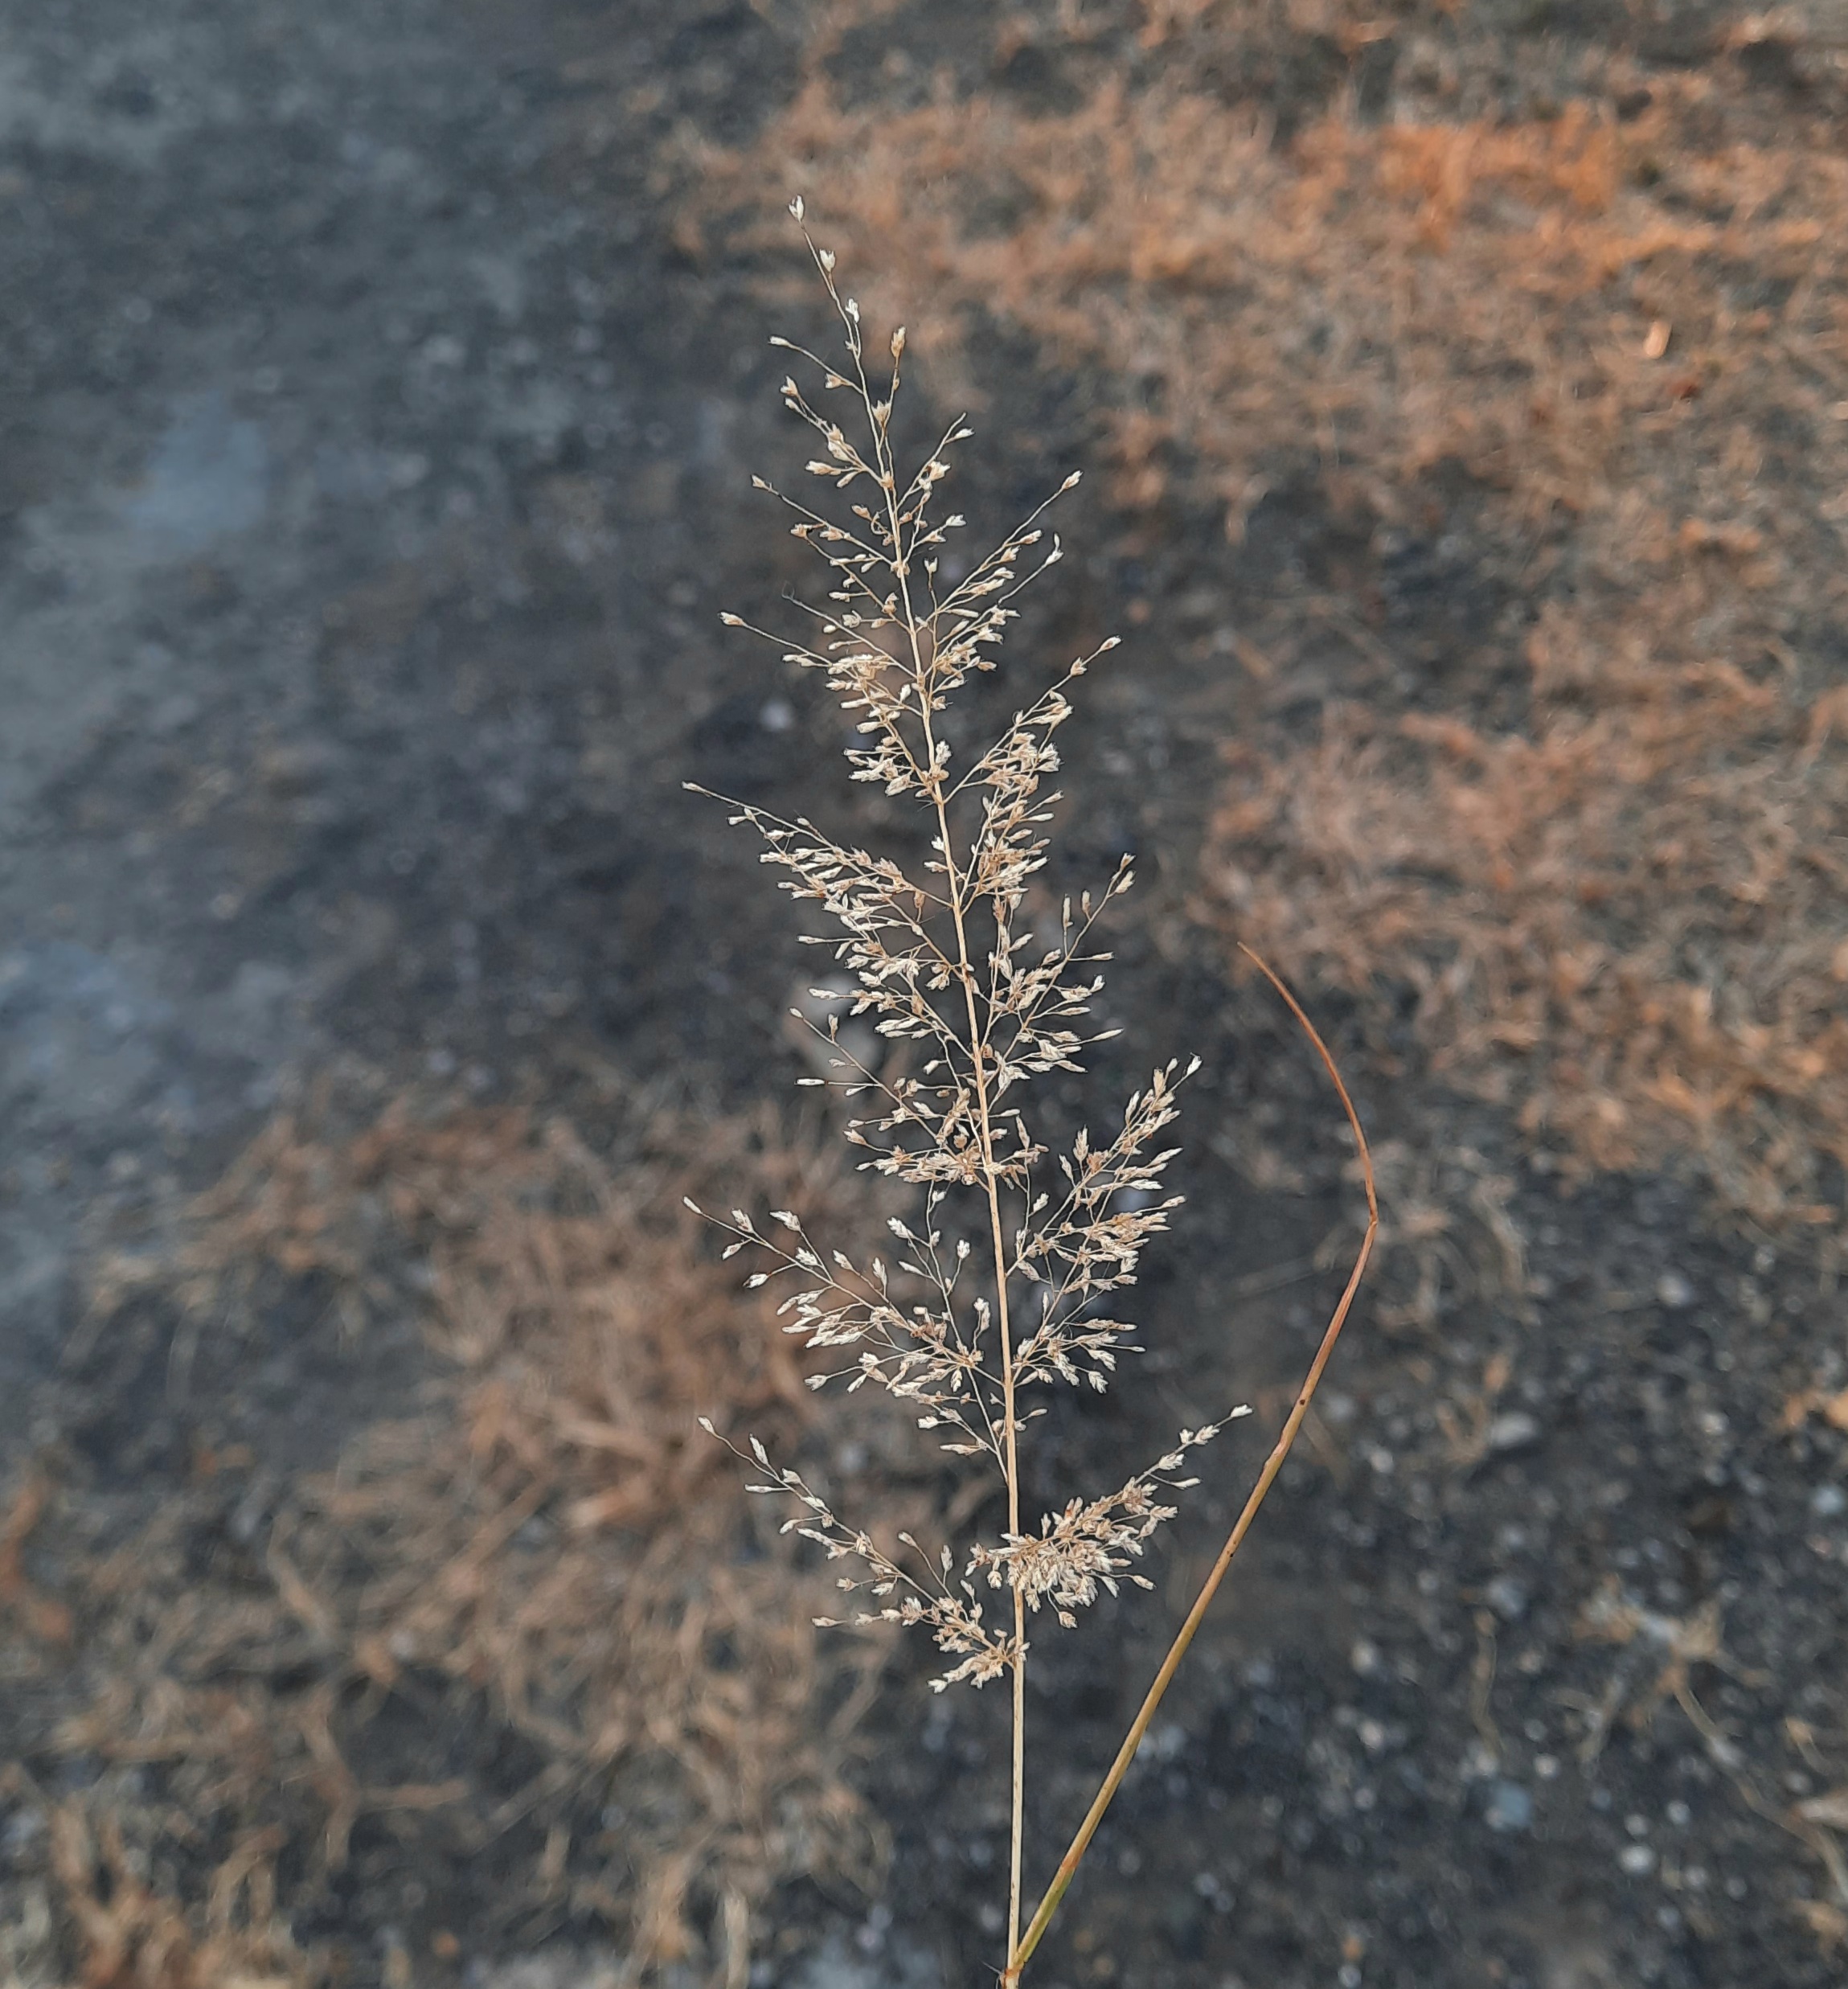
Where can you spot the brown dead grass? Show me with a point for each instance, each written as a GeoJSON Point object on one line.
{"type": "Point", "coordinates": [130, 1933]}
{"type": "Point", "coordinates": [551, 1534]}
{"type": "Point", "coordinates": [1630, 928]}
{"type": "Point", "coordinates": [1623, 339]}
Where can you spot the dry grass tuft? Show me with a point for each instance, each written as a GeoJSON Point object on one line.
{"type": "Point", "coordinates": [1630, 928]}
{"type": "Point", "coordinates": [1596, 352]}
{"type": "Point", "coordinates": [130, 1936]}
{"type": "Point", "coordinates": [541, 1541]}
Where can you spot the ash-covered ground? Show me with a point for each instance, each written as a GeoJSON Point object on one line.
{"type": "Point", "coordinates": [377, 440]}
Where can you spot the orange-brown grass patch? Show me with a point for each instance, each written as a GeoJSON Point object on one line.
{"type": "Point", "coordinates": [129, 1934]}
{"type": "Point", "coordinates": [550, 1536]}
{"type": "Point", "coordinates": [1389, 298]}
{"type": "Point", "coordinates": [1630, 927]}
{"type": "Point", "coordinates": [1600, 347]}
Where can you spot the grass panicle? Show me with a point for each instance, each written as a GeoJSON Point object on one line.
{"type": "Point", "coordinates": [1005, 1278]}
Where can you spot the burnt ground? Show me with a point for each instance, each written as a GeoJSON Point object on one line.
{"type": "Point", "coordinates": [374, 452]}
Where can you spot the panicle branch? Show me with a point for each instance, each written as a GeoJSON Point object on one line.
{"type": "Point", "coordinates": [1084, 1548]}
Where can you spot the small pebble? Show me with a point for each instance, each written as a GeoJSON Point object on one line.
{"type": "Point", "coordinates": [1507, 1598]}
{"type": "Point", "coordinates": [1827, 1501]}
{"type": "Point", "coordinates": [1675, 1291]}
{"type": "Point", "coordinates": [1511, 1431]}
{"type": "Point", "coordinates": [1510, 1807]}
{"type": "Point", "coordinates": [1638, 1861]}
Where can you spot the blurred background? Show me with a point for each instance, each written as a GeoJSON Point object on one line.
{"type": "Point", "coordinates": [1462, 389]}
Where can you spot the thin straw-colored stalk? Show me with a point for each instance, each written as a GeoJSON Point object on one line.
{"type": "Point", "coordinates": [1021, 1953]}
{"type": "Point", "coordinates": [979, 1055]}
{"type": "Point", "coordinates": [1017, 1833]}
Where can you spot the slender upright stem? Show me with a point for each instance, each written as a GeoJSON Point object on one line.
{"type": "Point", "coordinates": [978, 1052]}
{"type": "Point", "coordinates": [979, 1055]}
{"type": "Point", "coordinates": [1021, 1951]}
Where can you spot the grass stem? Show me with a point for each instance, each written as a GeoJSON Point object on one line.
{"type": "Point", "coordinates": [1022, 1950]}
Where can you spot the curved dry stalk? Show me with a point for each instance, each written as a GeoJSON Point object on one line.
{"type": "Point", "coordinates": [1023, 1952]}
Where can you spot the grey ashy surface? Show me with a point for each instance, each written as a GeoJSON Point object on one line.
{"type": "Point", "coordinates": [363, 464]}
{"type": "Point", "coordinates": [315, 381]}
{"type": "Point", "coordinates": [867, 1959]}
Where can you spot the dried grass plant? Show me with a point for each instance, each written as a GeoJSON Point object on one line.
{"type": "Point", "coordinates": [1005, 1279]}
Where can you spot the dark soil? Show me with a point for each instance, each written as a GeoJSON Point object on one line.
{"type": "Point", "coordinates": [374, 470]}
